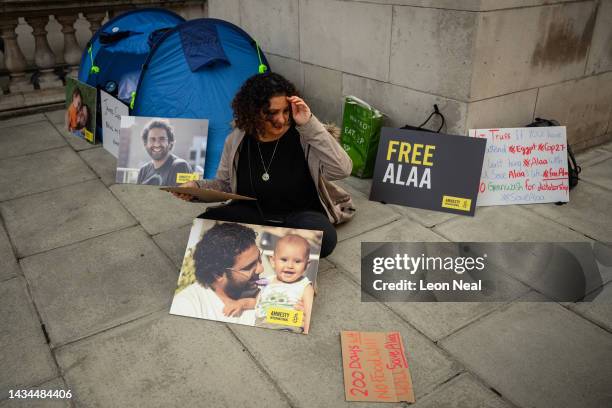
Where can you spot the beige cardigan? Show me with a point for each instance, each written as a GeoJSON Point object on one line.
{"type": "Point", "coordinates": [326, 161]}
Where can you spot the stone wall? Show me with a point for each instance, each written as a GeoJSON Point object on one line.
{"type": "Point", "coordinates": [484, 62]}
{"type": "Point", "coordinates": [83, 33]}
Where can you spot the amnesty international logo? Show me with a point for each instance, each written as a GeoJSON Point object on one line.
{"type": "Point", "coordinates": [456, 203]}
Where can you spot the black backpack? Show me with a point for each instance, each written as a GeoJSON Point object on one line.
{"type": "Point", "coordinates": [437, 112]}
{"type": "Point", "coordinates": [573, 169]}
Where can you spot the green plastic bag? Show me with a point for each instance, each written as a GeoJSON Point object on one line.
{"type": "Point", "coordinates": [361, 125]}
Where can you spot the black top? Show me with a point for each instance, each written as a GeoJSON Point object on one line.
{"type": "Point", "coordinates": [290, 186]}
{"type": "Point", "coordinates": [166, 174]}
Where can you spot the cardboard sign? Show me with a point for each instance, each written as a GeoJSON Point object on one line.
{"type": "Point", "coordinates": [272, 274]}
{"type": "Point", "coordinates": [206, 195]}
{"type": "Point", "coordinates": [428, 170]}
{"type": "Point", "coordinates": [523, 166]}
{"type": "Point", "coordinates": [80, 115]}
{"type": "Point", "coordinates": [112, 110]}
{"type": "Point", "coordinates": [375, 367]}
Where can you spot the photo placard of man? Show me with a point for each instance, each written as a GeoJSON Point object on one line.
{"type": "Point", "coordinates": [227, 266]}
{"type": "Point", "coordinates": [158, 139]}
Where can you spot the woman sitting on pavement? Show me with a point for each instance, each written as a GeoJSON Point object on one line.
{"type": "Point", "coordinates": [280, 154]}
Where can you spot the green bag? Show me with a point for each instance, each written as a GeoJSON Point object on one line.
{"type": "Point", "coordinates": [361, 125]}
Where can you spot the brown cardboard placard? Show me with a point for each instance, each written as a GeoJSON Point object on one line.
{"type": "Point", "coordinates": [375, 367]}
{"type": "Point", "coordinates": [205, 195]}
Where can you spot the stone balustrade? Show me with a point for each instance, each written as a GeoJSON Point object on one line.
{"type": "Point", "coordinates": [31, 82]}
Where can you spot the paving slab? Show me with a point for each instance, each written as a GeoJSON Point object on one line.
{"type": "Point", "coordinates": [347, 254]}
{"type": "Point", "coordinates": [56, 116]}
{"type": "Point", "coordinates": [538, 355]}
{"type": "Point", "coordinates": [506, 224]}
{"type": "Point", "coordinates": [63, 216]}
{"type": "Point", "coordinates": [600, 310]}
{"type": "Point", "coordinates": [588, 211]}
{"type": "Point", "coordinates": [461, 392]}
{"type": "Point", "coordinates": [426, 218]}
{"type": "Point", "coordinates": [26, 358]}
{"type": "Point", "coordinates": [102, 162]}
{"type": "Point", "coordinates": [325, 265]}
{"type": "Point", "coordinates": [174, 242]}
{"type": "Point", "coordinates": [166, 361]}
{"type": "Point", "coordinates": [435, 320]}
{"type": "Point", "coordinates": [599, 174]}
{"type": "Point", "coordinates": [438, 320]}
{"type": "Point", "coordinates": [99, 283]}
{"type": "Point", "coordinates": [29, 138]}
{"type": "Point", "coordinates": [22, 120]}
{"type": "Point", "coordinates": [336, 308]}
{"type": "Point", "coordinates": [359, 184]}
{"type": "Point", "coordinates": [592, 156]}
{"type": "Point", "coordinates": [75, 142]}
{"type": "Point", "coordinates": [157, 210]}
{"type": "Point", "coordinates": [40, 172]}
{"type": "Point", "coordinates": [369, 215]}
{"type": "Point", "coordinates": [563, 272]}
{"type": "Point", "coordinates": [55, 384]}
{"type": "Point", "coordinates": [10, 267]}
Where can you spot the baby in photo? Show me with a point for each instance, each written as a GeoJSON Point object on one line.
{"type": "Point", "coordinates": [288, 289]}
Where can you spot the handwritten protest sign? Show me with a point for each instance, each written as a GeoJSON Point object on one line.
{"type": "Point", "coordinates": [112, 110]}
{"type": "Point", "coordinates": [375, 367]}
{"type": "Point", "coordinates": [523, 166]}
{"type": "Point", "coordinates": [433, 171]}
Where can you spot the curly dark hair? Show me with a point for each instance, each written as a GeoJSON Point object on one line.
{"type": "Point", "coordinates": [218, 249]}
{"type": "Point", "coordinates": [254, 97]}
{"type": "Point", "coordinates": [159, 124]}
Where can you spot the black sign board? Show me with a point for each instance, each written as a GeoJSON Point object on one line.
{"type": "Point", "coordinates": [427, 170]}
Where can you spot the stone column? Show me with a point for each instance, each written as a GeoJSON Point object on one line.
{"type": "Point", "coordinates": [95, 20]}
{"type": "Point", "coordinates": [14, 60]}
{"type": "Point", "coordinates": [72, 51]}
{"type": "Point", "coordinates": [43, 56]}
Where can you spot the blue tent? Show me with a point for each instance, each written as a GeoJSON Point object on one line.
{"type": "Point", "coordinates": [114, 55]}
{"type": "Point", "coordinates": [194, 71]}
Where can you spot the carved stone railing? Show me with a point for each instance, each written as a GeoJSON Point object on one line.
{"type": "Point", "coordinates": [33, 83]}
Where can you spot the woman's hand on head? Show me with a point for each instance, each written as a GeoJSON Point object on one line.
{"type": "Point", "coordinates": [300, 111]}
{"type": "Point", "coordinates": [186, 197]}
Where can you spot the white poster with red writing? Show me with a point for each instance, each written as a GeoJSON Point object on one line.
{"type": "Point", "coordinates": [523, 166]}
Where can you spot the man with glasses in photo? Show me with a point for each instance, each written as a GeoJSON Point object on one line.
{"type": "Point", "coordinates": [227, 267]}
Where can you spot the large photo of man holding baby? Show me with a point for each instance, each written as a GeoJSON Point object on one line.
{"type": "Point", "coordinates": [249, 274]}
{"type": "Point", "coordinates": [161, 151]}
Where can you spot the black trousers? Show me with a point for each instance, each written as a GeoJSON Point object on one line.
{"type": "Point", "coordinates": [248, 214]}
